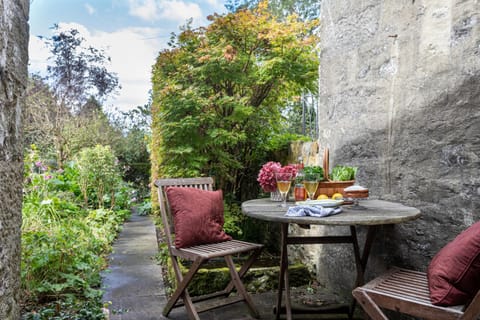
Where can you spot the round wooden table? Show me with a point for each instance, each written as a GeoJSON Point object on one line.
{"type": "Point", "coordinates": [373, 214]}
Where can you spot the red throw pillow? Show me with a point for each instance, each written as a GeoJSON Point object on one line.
{"type": "Point", "coordinates": [454, 272]}
{"type": "Point", "coordinates": [197, 216]}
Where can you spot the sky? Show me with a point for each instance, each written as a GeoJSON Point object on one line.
{"type": "Point", "coordinates": [132, 32]}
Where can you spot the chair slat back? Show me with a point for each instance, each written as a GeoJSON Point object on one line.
{"type": "Point", "coordinates": [203, 183]}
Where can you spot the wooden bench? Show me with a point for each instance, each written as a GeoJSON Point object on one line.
{"type": "Point", "coordinates": [407, 292]}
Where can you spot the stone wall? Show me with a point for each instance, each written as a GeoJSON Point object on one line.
{"type": "Point", "coordinates": [400, 99]}
{"type": "Point", "coordinates": [13, 79]}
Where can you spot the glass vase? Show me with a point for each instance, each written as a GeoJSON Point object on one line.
{"type": "Point", "coordinates": [276, 196]}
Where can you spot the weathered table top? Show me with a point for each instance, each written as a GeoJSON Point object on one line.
{"type": "Point", "coordinates": [376, 212]}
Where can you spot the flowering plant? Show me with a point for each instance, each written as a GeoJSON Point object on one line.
{"type": "Point", "coordinates": [266, 176]}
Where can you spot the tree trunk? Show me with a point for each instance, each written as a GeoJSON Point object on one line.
{"type": "Point", "coordinates": [13, 82]}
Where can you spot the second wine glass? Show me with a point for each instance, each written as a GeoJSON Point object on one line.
{"type": "Point", "coordinates": [311, 184]}
{"type": "Point", "coordinates": [284, 182]}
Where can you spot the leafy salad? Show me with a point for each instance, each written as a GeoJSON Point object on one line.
{"type": "Point", "coordinates": [343, 173]}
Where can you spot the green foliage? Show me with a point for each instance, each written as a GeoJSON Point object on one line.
{"type": "Point", "coordinates": [98, 174]}
{"type": "Point", "coordinates": [234, 218]}
{"type": "Point", "coordinates": [70, 308]}
{"type": "Point", "coordinates": [87, 130]}
{"type": "Point", "coordinates": [133, 152]}
{"type": "Point", "coordinates": [63, 245]}
{"type": "Point", "coordinates": [219, 92]}
{"type": "Point", "coordinates": [313, 173]}
{"type": "Point", "coordinates": [145, 207]}
{"type": "Point", "coordinates": [302, 115]}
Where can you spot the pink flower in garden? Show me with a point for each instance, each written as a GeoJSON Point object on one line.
{"type": "Point", "coordinates": [39, 164]}
{"type": "Point", "coordinates": [47, 177]}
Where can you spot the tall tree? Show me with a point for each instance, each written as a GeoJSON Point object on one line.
{"type": "Point", "coordinates": [78, 71]}
{"type": "Point", "coordinates": [13, 81]}
{"type": "Point", "coordinates": [218, 93]}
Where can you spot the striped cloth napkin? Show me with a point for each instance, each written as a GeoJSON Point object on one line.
{"type": "Point", "coordinates": [312, 211]}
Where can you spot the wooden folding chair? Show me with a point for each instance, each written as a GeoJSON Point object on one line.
{"type": "Point", "coordinates": [406, 291]}
{"type": "Point", "coordinates": [201, 254]}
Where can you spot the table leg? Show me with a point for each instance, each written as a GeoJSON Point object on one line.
{"type": "Point", "coordinates": [361, 261]}
{"type": "Point", "coordinates": [283, 276]}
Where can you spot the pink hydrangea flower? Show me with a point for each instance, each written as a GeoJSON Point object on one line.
{"type": "Point", "coordinates": [266, 176]}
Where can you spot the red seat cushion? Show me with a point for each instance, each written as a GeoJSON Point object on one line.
{"type": "Point", "coordinates": [454, 272]}
{"type": "Point", "coordinates": [197, 216]}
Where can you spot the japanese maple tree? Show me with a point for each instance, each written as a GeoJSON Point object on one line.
{"type": "Point", "coordinates": [218, 93]}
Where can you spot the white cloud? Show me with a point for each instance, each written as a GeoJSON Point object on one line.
{"type": "Point", "coordinates": [91, 10]}
{"type": "Point", "coordinates": [65, 26]}
{"type": "Point", "coordinates": [180, 11]}
{"type": "Point", "coordinates": [132, 51]}
{"type": "Point", "coordinates": [143, 9]}
{"type": "Point", "coordinates": [172, 10]}
{"type": "Point", "coordinates": [38, 55]}
{"type": "Point", "coordinates": [218, 6]}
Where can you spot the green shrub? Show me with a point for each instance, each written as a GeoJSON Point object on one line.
{"type": "Point", "coordinates": [99, 175]}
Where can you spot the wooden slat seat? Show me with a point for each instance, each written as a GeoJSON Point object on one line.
{"type": "Point", "coordinates": [406, 291]}
{"type": "Point", "coordinates": [199, 255]}
{"type": "Point", "coordinates": [215, 250]}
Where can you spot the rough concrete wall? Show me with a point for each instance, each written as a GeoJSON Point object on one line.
{"type": "Point", "coordinates": [400, 98]}
{"type": "Point", "coordinates": [13, 79]}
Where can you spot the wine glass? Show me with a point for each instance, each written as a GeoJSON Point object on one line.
{"type": "Point", "coordinates": [284, 181]}
{"type": "Point", "coordinates": [311, 184]}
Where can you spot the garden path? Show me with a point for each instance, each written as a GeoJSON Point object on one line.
{"type": "Point", "coordinates": [133, 281]}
